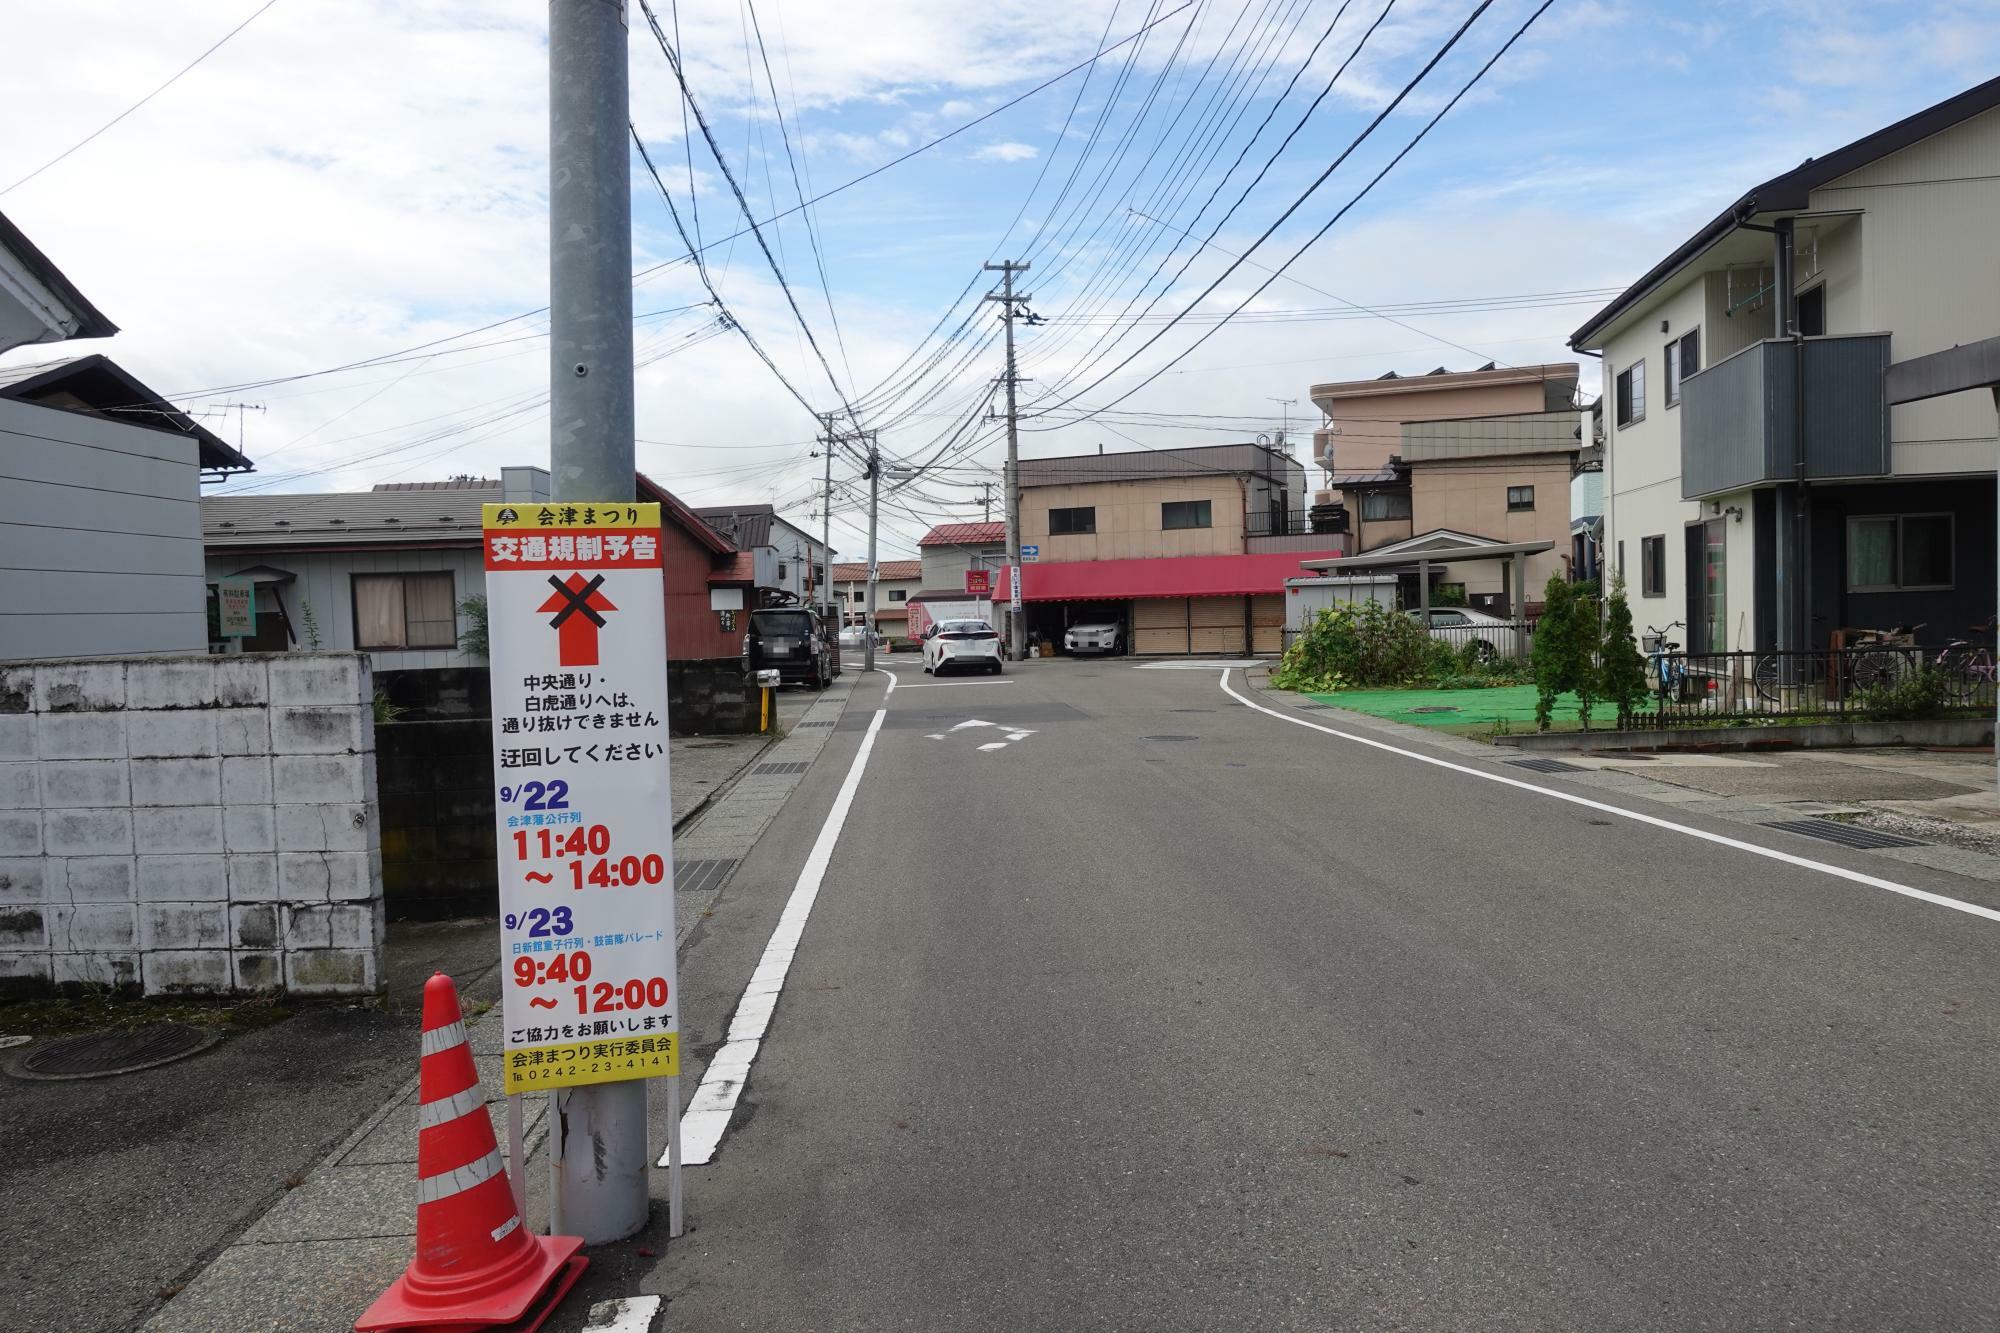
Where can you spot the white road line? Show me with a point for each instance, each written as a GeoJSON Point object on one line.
{"type": "Point", "coordinates": [971, 722]}
{"type": "Point", "coordinates": [1838, 872]}
{"type": "Point", "coordinates": [941, 684]}
{"type": "Point", "coordinates": [996, 745]}
{"type": "Point", "coordinates": [722, 1082]}
{"type": "Point", "coordinates": [631, 1314]}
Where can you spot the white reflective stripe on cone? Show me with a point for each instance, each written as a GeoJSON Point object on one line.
{"type": "Point", "coordinates": [506, 1229]}
{"type": "Point", "coordinates": [433, 1114]}
{"type": "Point", "coordinates": [460, 1179]}
{"type": "Point", "coordinates": [444, 1038]}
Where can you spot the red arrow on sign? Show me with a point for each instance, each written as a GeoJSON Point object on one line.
{"type": "Point", "coordinates": [576, 604]}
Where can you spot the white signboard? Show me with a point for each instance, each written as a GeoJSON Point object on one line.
{"type": "Point", "coordinates": [1014, 587]}
{"type": "Point", "coordinates": [576, 609]}
{"type": "Point", "coordinates": [236, 608]}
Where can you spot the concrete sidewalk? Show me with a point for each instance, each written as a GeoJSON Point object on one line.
{"type": "Point", "coordinates": [1944, 800]}
{"type": "Point", "coordinates": [327, 1248]}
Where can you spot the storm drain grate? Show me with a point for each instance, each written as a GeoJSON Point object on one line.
{"type": "Point", "coordinates": [1170, 738]}
{"type": "Point", "coordinates": [1547, 765]}
{"type": "Point", "coordinates": [1847, 835]}
{"type": "Point", "coordinates": [104, 1053]}
{"type": "Point", "coordinates": [696, 876]}
{"type": "Point", "coordinates": [1312, 706]}
{"type": "Point", "coordinates": [780, 770]}
{"type": "Point", "coordinates": [823, 722]}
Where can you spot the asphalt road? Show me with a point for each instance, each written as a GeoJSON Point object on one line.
{"type": "Point", "coordinates": [1171, 1015]}
{"type": "Point", "coordinates": [117, 1190]}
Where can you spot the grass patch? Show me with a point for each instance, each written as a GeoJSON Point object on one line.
{"type": "Point", "coordinates": [1507, 707]}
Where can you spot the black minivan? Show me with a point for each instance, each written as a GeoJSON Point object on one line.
{"type": "Point", "coordinates": [789, 639]}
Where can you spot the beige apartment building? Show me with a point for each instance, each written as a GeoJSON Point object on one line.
{"type": "Point", "coordinates": [1186, 549]}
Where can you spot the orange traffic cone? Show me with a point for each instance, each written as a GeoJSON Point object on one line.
{"type": "Point", "coordinates": [476, 1266]}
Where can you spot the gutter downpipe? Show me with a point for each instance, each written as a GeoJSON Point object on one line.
{"type": "Point", "coordinates": [1786, 317]}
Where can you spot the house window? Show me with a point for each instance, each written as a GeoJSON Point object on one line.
{"type": "Point", "coordinates": [1520, 498]}
{"type": "Point", "coordinates": [1653, 566]}
{"type": "Point", "coordinates": [781, 571]}
{"type": "Point", "coordinates": [404, 611]}
{"type": "Point", "coordinates": [899, 594]}
{"type": "Point", "coordinates": [1185, 514]}
{"type": "Point", "coordinates": [1812, 312]}
{"type": "Point", "coordinates": [1632, 393]}
{"type": "Point", "coordinates": [1074, 522]}
{"type": "Point", "coordinates": [1899, 552]}
{"type": "Point", "coordinates": [1683, 360]}
{"type": "Point", "coordinates": [1380, 505]}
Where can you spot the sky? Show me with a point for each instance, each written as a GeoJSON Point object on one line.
{"type": "Point", "coordinates": [366, 181]}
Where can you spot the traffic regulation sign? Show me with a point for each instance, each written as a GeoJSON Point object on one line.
{"type": "Point", "coordinates": [576, 616]}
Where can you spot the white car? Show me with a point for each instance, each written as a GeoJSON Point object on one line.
{"type": "Point", "coordinates": [1105, 636]}
{"type": "Point", "coordinates": [961, 645]}
{"type": "Point", "coordinates": [1496, 639]}
{"type": "Point", "coordinates": [855, 639]}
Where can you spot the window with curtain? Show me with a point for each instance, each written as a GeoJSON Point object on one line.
{"type": "Point", "coordinates": [405, 611]}
{"type": "Point", "coordinates": [1379, 505]}
{"type": "Point", "coordinates": [1899, 552]}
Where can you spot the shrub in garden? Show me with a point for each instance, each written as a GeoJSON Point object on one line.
{"type": "Point", "coordinates": [1564, 657]}
{"type": "Point", "coordinates": [1621, 671]}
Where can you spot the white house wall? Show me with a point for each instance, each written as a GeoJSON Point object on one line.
{"type": "Point", "coordinates": [1931, 279]}
{"type": "Point", "coordinates": [1642, 467]}
{"type": "Point", "coordinates": [100, 537]}
{"type": "Point", "coordinates": [325, 583]}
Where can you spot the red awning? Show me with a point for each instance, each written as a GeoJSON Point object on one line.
{"type": "Point", "coordinates": [1171, 576]}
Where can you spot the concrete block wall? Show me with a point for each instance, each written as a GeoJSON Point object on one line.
{"type": "Point", "coordinates": [191, 824]}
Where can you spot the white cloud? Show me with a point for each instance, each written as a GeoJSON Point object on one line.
{"type": "Point", "coordinates": [1007, 152]}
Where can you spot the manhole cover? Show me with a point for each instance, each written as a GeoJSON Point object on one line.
{"type": "Point", "coordinates": [1435, 708]}
{"type": "Point", "coordinates": [99, 1054]}
{"type": "Point", "coordinates": [1170, 738]}
{"type": "Point", "coordinates": [1847, 835]}
{"type": "Point", "coordinates": [696, 876]}
{"type": "Point", "coordinates": [1547, 765]}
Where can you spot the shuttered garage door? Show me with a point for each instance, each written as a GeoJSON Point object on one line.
{"type": "Point", "coordinates": [1215, 624]}
{"type": "Point", "coordinates": [1160, 625]}
{"type": "Point", "coordinates": [1267, 621]}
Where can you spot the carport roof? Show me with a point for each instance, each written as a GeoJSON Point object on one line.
{"type": "Point", "coordinates": [1169, 576]}
{"type": "Point", "coordinates": [1407, 554]}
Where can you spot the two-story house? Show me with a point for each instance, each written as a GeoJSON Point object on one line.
{"type": "Point", "coordinates": [895, 582]}
{"type": "Point", "coordinates": [790, 563]}
{"type": "Point", "coordinates": [1189, 549]}
{"type": "Point", "coordinates": [1800, 431]}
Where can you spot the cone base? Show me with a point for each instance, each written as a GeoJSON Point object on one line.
{"type": "Point", "coordinates": [522, 1308]}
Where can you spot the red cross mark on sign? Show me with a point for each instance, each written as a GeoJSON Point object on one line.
{"type": "Point", "coordinates": [576, 604]}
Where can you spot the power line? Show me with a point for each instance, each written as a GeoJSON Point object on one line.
{"type": "Point", "coordinates": [1367, 130]}
{"type": "Point", "coordinates": [142, 101]}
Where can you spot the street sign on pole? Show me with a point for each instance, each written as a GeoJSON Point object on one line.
{"type": "Point", "coordinates": [1030, 554]}
{"type": "Point", "coordinates": [576, 610]}
{"type": "Point", "coordinates": [236, 608]}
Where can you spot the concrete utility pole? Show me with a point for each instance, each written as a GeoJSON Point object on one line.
{"type": "Point", "coordinates": [598, 1155]}
{"type": "Point", "coordinates": [826, 522]}
{"type": "Point", "coordinates": [1017, 629]}
{"type": "Point", "coordinates": [986, 501]}
{"type": "Point", "coordinates": [874, 495]}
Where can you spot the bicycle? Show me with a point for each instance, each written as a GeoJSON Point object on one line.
{"type": "Point", "coordinates": [1881, 658]}
{"type": "Point", "coordinates": [1966, 664]}
{"type": "Point", "coordinates": [1666, 666]}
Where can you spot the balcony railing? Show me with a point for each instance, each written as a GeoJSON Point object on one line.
{"type": "Point", "coordinates": [1740, 417]}
{"type": "Point", "coordinates": [1293, 525]}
